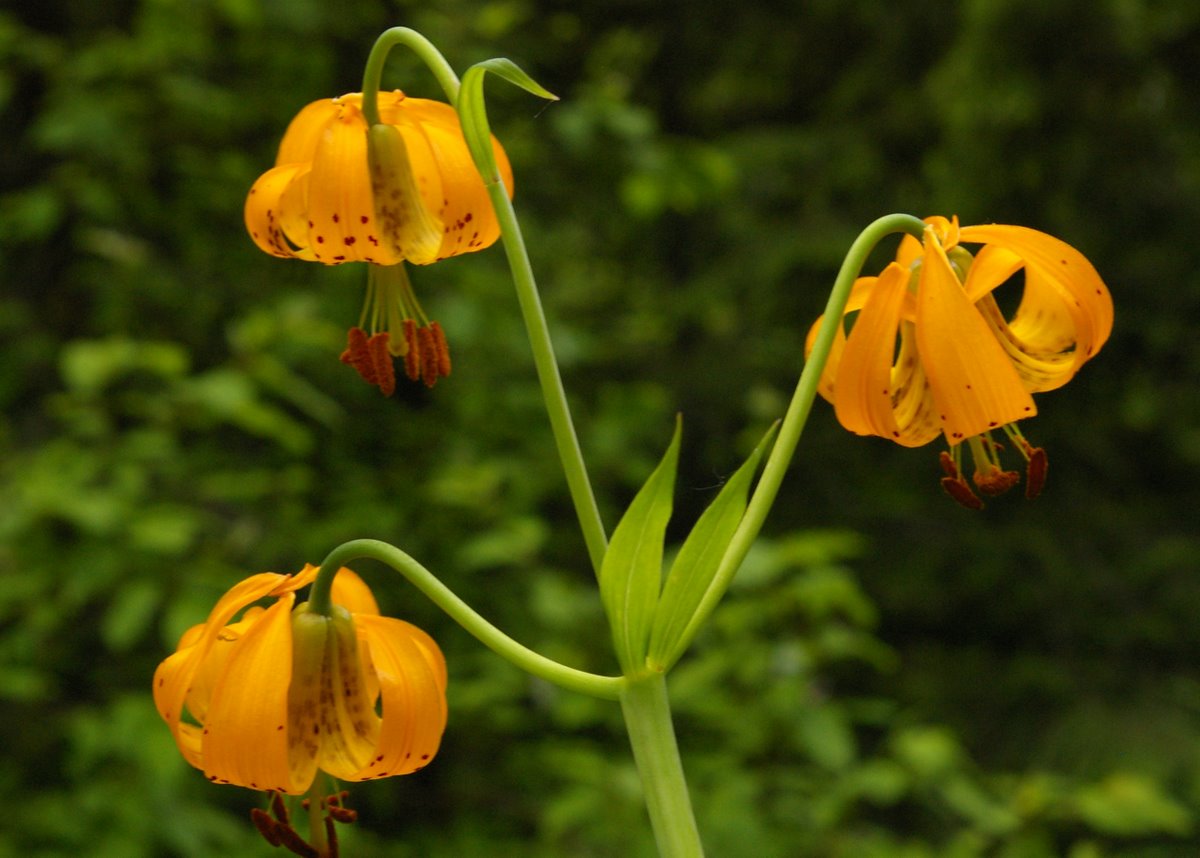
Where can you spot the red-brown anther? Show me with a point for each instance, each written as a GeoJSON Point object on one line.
{"type": "Point", "coordinates": [412, 352]}
{"type": "Point", "coordinates": [344, 815]}
{"type": "Point", "coordinates": [443, 349]}
{"type": "Point", "coordinates": [961, 492]}
{"type": "Point", "coordinates": [266, 826]}
{"type": "Point", "coordinates": [948, 466]}
{"type": "Point", "coordinates": [371, 359]}
{"type": "Point", "coordinates": [279, 808]}
{"type": "Point", "coordinates": [333, 807]}
{"type": "Point", "coordinates": [296, 844]}
{"type": "Point", "coordinates": [994, 481]}
{"type": "Point", "coordinates": [429, 359]}
{"type": "Point", "coordinates": [1035, 472]}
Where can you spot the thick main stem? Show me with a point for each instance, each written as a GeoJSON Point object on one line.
{"type": "Point", "coordinates": [652, 735]}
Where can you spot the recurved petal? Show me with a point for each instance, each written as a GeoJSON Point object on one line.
{"type": "Point", "coordinates": [304, 131]}
{"type": "Point", "coordinates": [412, 678]}
{"type": "Point", "coordinates": [469, 221]}
{"type": "Point", "coordinates": [171, 681]}
{"type": "Point", "coordinates": [863, 385]}
{"type": "Point", "coordinates": [275, 212]}
{"type": "Point", "coordinates": [245, 737]}
{"type": "Point", "coordinates": [973, 382]}
{"type": "Point", "coordinates": [1062, 270]}
{"type": "Point", "coordinates": [205, 679]}
{"type": "Point", "coordinates": [174, 676]}
{"type": "Point", "coordinates": [340, 207]}
{"type": "Point", "coordinates": [859, 293]}
{"type": "Point", "coordinates": [912, 399]}
{"type": "Point", "coordinates": [909, 251]}
{"type": "Point", "coordinates": [352, 593]}
{"type": "Point", "coordinates": [991, 268]}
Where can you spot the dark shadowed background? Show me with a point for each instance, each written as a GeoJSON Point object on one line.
{"type": "Point", "coordinates": [890, 676]}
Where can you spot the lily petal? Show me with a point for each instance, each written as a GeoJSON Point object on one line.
{"type": "Point", "coordinates": [974, 385]}
{"type": "Point", "coordinates": [865, 392]}
{"type": "Point", "coordinates": [245, 736]}
{"type": "Point", "coordinates": [275, 217]}
{"type": "Point", "coordinates": [860, 292]}
{"type": "Point", "coordinates": [304, 132]}
{"type": "Point", "coordinates": [1053, 267]}
{"type": "Point", "coordinates": [353, 594]}
{"type": "Point", "coordinates": [173, 678]}
{"type": "Point", "coordinates": [412, 677]}
{"type": "Point", "coordinates": [465, 209]}
{"type": "Point", "coordinates": [341, 210]}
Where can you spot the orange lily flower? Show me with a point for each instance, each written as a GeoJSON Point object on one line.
{"type": "Point", "coordinates": [930, 352]}
{"type": "Point", "coordinates": [406, 189]}
{"type": "Point", "coordinates": [265, 700]}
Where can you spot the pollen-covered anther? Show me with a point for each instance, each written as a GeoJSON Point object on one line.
{"type": "Point", "coordinates": [333, 807]}
{"type": "Point", "coordinates": [266, 826]}
{"type": "Point", "coordinates": [993, 481]}
{"type": "Point", "coordinates": [426, 355]}
{"type": "Point", "coordinates": [371, 359]}
{"type": "Point", "coordinates": [412, 350]}
{"type": "Point", "coordinates": [961, 492]}
{"type": "Point", "coordinates": [442, 348]}
{"type": "Point", "coordinates": [948, 466]}
{"type": "Point", "coordinates": [1035, 472]}
{"type": "Point", "coordinates": [277, 830]}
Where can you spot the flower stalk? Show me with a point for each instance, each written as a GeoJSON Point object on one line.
{"type": "Point", "coordinates": [559, 412]}
{"type": "Point", "coordinates": [595, 685]}
{"type": "Point", "coordinates": [424, 50]}
{"type": "Point", "coordinates": [797, 413]}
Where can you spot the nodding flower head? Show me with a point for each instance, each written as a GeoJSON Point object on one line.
{"type": "Point", "coordinates": [403, 190]}
{"type": "Point", "coordinates": [263, 696]}
{"type": "Point", "coordinates": [924, 349]}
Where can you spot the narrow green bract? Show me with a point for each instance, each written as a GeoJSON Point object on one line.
{"type": "Point", "coordinates": [694, 571]}
{"type": "Point", "coordinates": [472, 112]}
{"type": "Point", "coordinates": [631, 575]}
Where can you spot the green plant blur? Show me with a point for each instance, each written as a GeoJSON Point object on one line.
{"type": "Point", "coordinates": [889, 676]}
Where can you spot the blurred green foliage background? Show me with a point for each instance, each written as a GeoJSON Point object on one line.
{"type": "Point", "coordinates": [890, 676]}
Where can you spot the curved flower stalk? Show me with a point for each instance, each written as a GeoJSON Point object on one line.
{"type": "Point", "coordinates": [266, 699]}
{"type": "Point", "coordinates": [403, 189]}
{"type": "Point", "coordinates": [930, 352]}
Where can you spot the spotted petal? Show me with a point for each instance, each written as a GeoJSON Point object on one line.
{"type": "Point", "coordinates": [860, 292]}
{"type": "Point", "coordinates": [868, 387]}
{"type": "Point", "coordinates": [974, 385]}
{"type": "Point", "coordinates": [174, 677]}
{"type": "Point", "coordinates": [245, 739]}
{"type": "Point", "coordinates": [412, 676]}
{"type": "Point", "coordinates": [1066, 303]}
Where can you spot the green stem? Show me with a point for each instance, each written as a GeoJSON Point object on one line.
{"type": "Point", "coordinates": [316, 820]}
{"type": "Point", "coordinates": [420, 46]}
{"type": "Point", "coordinates": [555, 396]}
{"type": "Point", "coordinates": [797, 413]}
{"type": "Point", "coordinates": [648, 719]}
{"type": "Point", "coordinates": [320, 601]}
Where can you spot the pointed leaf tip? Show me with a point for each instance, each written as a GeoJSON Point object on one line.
{"type": "Point", "coordinates": [693, 588]}
{"type": "Point", "coordinates": [472, 110]}
{"type": "Point", "coordinates": [631, 574]}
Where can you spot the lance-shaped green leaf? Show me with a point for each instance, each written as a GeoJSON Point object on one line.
{"type": "Point", "coordinates": [472, 112]}
{"type": "Point", "coordinates": [631, 574]}
{"type": "Point", "coordinates": [693, 579]}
